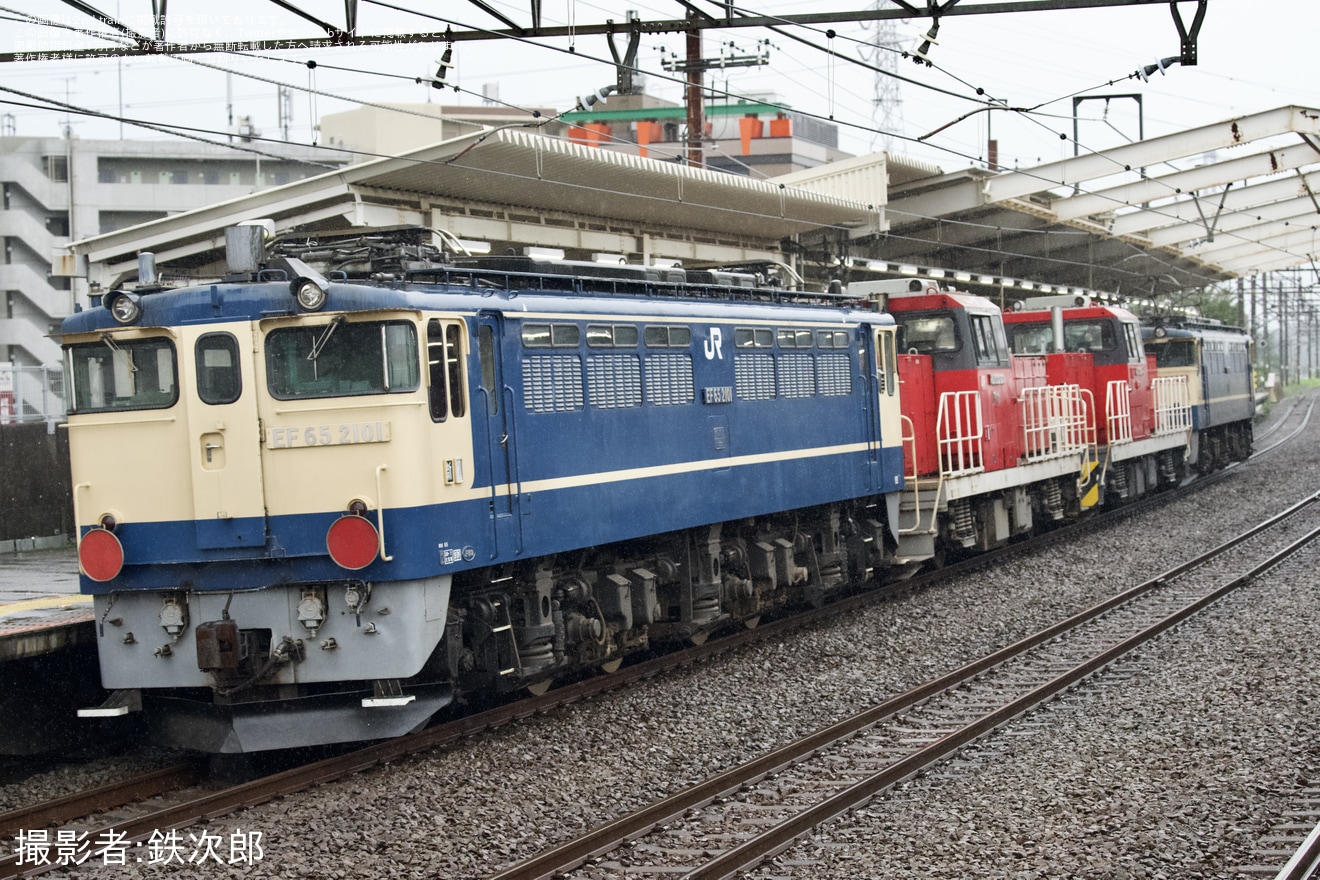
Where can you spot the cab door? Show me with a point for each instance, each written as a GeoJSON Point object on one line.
{"type": "Point", "coordinates": [501, 451]}
{"type": "Point", "coordinates": [229, 507]}
{"type": "Point", "coordinates": [888, 418]}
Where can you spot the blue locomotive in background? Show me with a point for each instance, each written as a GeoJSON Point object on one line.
{"type": "Point", "coordinates": [1218, 362]}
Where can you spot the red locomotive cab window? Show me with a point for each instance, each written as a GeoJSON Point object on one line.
{"type": "Point", "coordinates": [1032, 339]}
{"type": "Point", "coordinates": [1133, 337]}
{"type": "Point", "coordinates": [928, 334]}
{"type": "Point", "coordinates": [988, 340]}
{"type": "Point", "coordinates": [1089, 336]}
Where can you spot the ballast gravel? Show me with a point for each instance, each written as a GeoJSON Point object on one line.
{"type": "Point", "coordinates": [1172, 765]}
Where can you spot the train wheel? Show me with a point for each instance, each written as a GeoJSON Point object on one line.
{"type": "Point", "coordinates": [612, 665]}
{"type": "Point", "coordinates": [752, 622]}
{"type": "Point", "coordinates": [699, 638]}
{"type": "Point", "coordinates": [539, 689]}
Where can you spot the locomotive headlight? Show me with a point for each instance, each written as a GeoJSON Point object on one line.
{"type": "Point", "coordinates": [311, 297]}
{"type": "Point", "coordinates": [125, 307]}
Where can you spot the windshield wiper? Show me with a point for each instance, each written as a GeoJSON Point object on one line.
{"type": "Point", "coordinates": [321, 340]}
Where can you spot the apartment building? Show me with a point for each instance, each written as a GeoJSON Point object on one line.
{"type": "Point", "coordinates": [53, 190]}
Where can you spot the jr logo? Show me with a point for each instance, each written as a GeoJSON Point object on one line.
{"type": "Point", "coordinates": [714, 345]}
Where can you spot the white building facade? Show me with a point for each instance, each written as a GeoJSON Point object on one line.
{"type": "Point", "coordinates": [54, 190]}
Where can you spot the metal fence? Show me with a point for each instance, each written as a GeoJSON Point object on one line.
{"type": "Point", "coordinates": [31, 394]}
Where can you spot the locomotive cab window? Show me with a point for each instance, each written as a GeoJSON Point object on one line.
{"type": "Point", "coordinates": [926, 334]}
{"type": "Point", "coordinates": [988, 340]}
{"type": "Point", "coordinates": [219, 380]}
{"type": "Point", "coordinates": [342, 359]}
{"type": "Point", "coordinates": [444, 357]}
{"type": "Point", "coordinates": [122, 375]}
{"type": "Point", "coordinates": [886, 361]}
{"type": "Point", "coordinates": [1032, 339]}
{"type": "Point", "coordinates": [1175, 353]}
{"type": "Point", "coordinates": [1089, 336]}
{"type": "Point", "coordinates": [1133, 337]}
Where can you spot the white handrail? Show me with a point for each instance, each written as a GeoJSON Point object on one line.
{"type": "Point", "coordinates": [1173, 409]}
{"type": "Point", "coordinates": [910, 436]}
{"type": "Point", "coordinates": [380, 516]}
{"type": "Point", "coordinates": [1054, 421]}
{"type": "Point", "coordinates": [959, 429]}
{"type": "Point", "coordinates": [1118, 412]}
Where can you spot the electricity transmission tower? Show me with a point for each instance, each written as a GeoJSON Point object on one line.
{"type": "Point", "coordinates": [884, 53]}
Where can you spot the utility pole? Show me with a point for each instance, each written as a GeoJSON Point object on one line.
{"type": "Point", "coordinates": [1310, 342]}
{"type": "Point", "coordinates": [696, 102]}
{"type": "Point", "coordinates": [1283, 335]}
{"type": "Point", "coordinates": [693, 66]}
{"type": "Point", "coordinates": [1264, 303]}
{"type": "Point", "coordinates": [1253, 307]}
{"type": "Point", "coordinates": [284, 97]}
{"type": "Point", "coordinates": [1298, 373]}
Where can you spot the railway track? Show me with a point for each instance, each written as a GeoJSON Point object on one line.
{"type": "Point", "coordinates": [113, 795]}
{"type": "Point", "coordinates": [1296, 838]}
{"type": "Point", "coordinates": [184, 811]}
{"type": "Point", "coordinates": [1286, 410]}
{"type": "Point", "coordinates": [737, 819]}
{"type": "Point", "coordinates": [1304, 420]}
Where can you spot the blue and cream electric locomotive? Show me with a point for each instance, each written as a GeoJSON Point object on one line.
{"type": "Point", "coordinates": [1217, 360]}
{"type": "Point", "coordinates": [312, 509]}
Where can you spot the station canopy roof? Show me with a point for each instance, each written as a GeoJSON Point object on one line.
{"type": "Point", "coordinates": [506, 185]}
{"type": "Point", "coordinates": [1179, 211]}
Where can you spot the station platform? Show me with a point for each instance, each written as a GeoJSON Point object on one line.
{"type": "Point", "coordinates": [41, 610]}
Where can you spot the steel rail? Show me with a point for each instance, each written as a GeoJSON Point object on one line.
{"type": "Point", "coordinates": [1280, 418]}
{"type": "Point", "coordinates": [573, 853]}
{"type": "Point", "coordinates": [753, 852]}
{"type": "Point", "coordinates": [1305, 863]}
{"type": "Point", "coordinates": [1306, 418]}
{"type": "Point", "coordinates": [106, 797]}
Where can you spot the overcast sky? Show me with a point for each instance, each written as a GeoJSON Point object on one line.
{"type": "Point", "coordinates": [1253, 56]}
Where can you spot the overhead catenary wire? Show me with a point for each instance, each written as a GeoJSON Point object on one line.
{"type": "Point", "coordinates": [999, 253]}
{"type": "Point", "coordinates": [609, 62]}
{"type": "Point", "coordinates": [163, 128]}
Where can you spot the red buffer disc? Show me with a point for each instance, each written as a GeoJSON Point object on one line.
{"type": "Point", "coordinates": [100, 555]}
{"type": "Point", "coordinates": [352, 542]}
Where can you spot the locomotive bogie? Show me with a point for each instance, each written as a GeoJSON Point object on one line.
{"type": "Point", "coordinates": [531, 622]}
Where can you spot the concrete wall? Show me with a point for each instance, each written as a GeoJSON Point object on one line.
{"type": "Point", "coordinates": [35, 496]}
